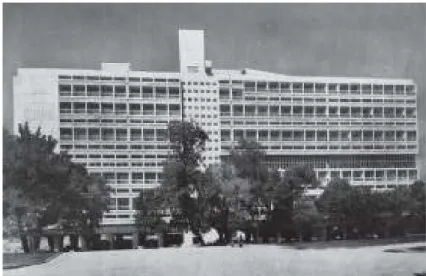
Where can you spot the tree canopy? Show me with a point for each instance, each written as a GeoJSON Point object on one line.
{"type": "Point", "coordinates": [40, 183]}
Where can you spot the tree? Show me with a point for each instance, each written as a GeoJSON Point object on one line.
{"type": "Point", "coordinates": [187, 140]}
{"type": "Point", "coordinates": [233, 212]}
{"type": "Point", "coordinates": [334, 204]}
{"type": "Point", "coordinates": [398, 202]}
{"type": "Point", "coordinates": [248, 158]}
{"type": "Point", "coordinates": [153, 211]}
{"type": "Point", "coordinates": [185, 188]}
{"type": "Point", "coordinates": [27, 160]}
{"type": "Point", "coordinates": [44, 187]}
{"type": "Point", "coordinates": [286, 193]}
{"type": "Point", "coordinates": [361, 212]}
{"type": "Point", "coordinates": [307, 220]}
{"type": "Point", "coordinates": [418, 207]}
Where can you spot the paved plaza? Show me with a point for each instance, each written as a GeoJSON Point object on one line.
{"type": "Point", "coordinates": [233, 261]}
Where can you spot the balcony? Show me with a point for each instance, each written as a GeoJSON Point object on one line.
{"type": "Point", "coordinates": [65, 111]}
{"type": "Point", "coordinates": [148, 112]}
{"type": "Point", "coordinates": [161, 113]}
{"type": "Point", "coordinates": [174, 113]}
{"type": "Point", "coordinates": [66, 137]}
{"type": "Point", "coordinates": [149, 138]}
{"type": "Point", "coordinates": [107, 112]}
{"type": "Point", "coordinates": [122, 181]}
{"type": "Point", "coordinates": [79, 111]}
{"type": "Point", "coordinates": [161, 95]}
{"type": "Point", "coordinates": [121, 112]}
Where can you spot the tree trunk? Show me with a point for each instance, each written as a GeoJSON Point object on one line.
{"type": "Point", "coordinates": [57, 240]}
{"type": "Point", "coordinates": [84, 243]}
{"type": "Point", "coordinates": [31, 243]}
{"type": "Point", "coordinates": [50, 242]}
{"type": "Point", "coordinates": [258, 238]}
{"type": "Point", "coordinates": [74, 242]}
{"type": "Point", "coordinates": [37, 241]}
{"type": "Point", "coordinates": [24, 243]}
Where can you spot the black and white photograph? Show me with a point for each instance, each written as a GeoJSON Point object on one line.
{"type": "Point", "coordinates": [214, 139]}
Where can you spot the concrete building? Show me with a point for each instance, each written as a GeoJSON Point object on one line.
{"type": "Point", "coordinates": [114, 120]}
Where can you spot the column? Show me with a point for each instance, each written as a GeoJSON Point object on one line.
{"type": "Point", "coordinates": [82, 243]}
{"type": "Point", "coordinates": [135, 240]}
{"type": "Point", "coordinates": [57, 240]}
{"type": "Point", "coordinates": [74, 242]}
{"type": "Point", "coordinates": [110, 238]}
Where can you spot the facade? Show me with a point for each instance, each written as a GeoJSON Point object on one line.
{"type": "Point", "coordinates": [114, 120]}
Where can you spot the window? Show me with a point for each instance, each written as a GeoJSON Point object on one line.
{"type": "Point", "coordinates": [355, 88]}
{"type": "Point", "coordinates": [344, 88]}
{"type": "Point", "coordinates": [237, 94]}
{"type": "Point", "coordinates": [134, 79]}
{"type": "Point", "coordinates": [107, 134]}
{"type": "Point", "coordinates": [135, 135]}
{"type": "Point", "coordinates": [65, 108]}
{"type": "Point", "coordinates": [65, 133]}
{"type": "Point", "coordinates": [161, 134]}
{"type": "Point", "coordinates": [308, 88]}
{"type": "Point", "coordinates": [388, 89]}
{"type": "Point", "coordinates": [411, 136]}
{"type": "Point", "coordinates": [134, 92]}
{"type": "Point", "coordinates": [120, 109]}
{"type": "Point", "coordinates": [123, 204]}
{"type": "Point", "coordinates": [297, 87]}
{"type": "Point", "coordinates": [320, 88]}
{"type": "Point", "coordinates": [121, 134]}
{"type": "Point", "coordinates": [173, 92]}
{"type": "Point", "coordinates": [249, 86]}
{"type": "Point", "coordinates": [377, 89]}
{"type": "Point", "coordinates": [332, 88]}
{"type": "Point", "coordinates": [94, 134]}
{"type": "Point", "coordinates": [273, 86]}
{"type": "Point", "coordinates": [92, 78]}
{"type": "Point", "coordinates": [79, 90]}
{"type": "Point", "coordinates": [237, 110]}
{"type": "Point", "coordinates": [93, 90]}
{"type": "Point", "coordinates": [160, 92]}
{"type": "Point", "coordinates": [285, 87]}
{"type": "Point", "coordinates": [120, 91]}
{"type": "Point", "coordinates": [366, 89]}
{"type": "Point", "coordinates": [64, 90]}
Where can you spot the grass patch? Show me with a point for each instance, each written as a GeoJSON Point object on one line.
{"type": "Point", "coordinates": [16, 260]}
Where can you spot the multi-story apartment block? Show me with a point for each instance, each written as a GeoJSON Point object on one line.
{"type": "Point", "coordinates": [114, 120]}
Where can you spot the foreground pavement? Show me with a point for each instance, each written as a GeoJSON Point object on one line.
{"type": "Point", "coordinates": [233, 261]}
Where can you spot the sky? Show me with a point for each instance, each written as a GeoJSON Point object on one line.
{"type": "Point", "coordinates": [359, 40]}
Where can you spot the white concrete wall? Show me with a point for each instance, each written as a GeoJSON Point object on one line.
{"type": "Point", "coordinates": [191, 51]}
{"type": "Point", "coordinates": [36, 101]}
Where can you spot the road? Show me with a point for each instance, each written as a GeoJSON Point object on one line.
{"type": "Point", "coordinates": [250, 260]}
